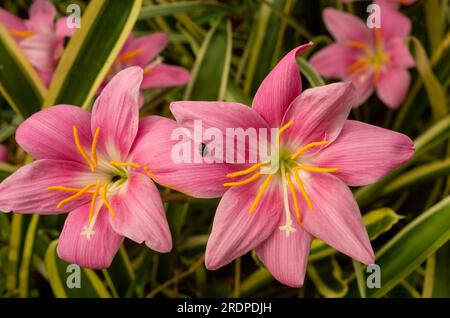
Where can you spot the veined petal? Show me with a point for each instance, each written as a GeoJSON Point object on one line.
{"type": "Point", "coordinates": [48, 134]}
{"type": "Point", "coordinates": [39, 50]}
{"type": "Point", "coordinates": [10, 21]}
{"type": "Point", "coordinates": [336, 218]}
{"type": "Point", "coordinates": [26, 190]}
{"type": "Point", "coordinates": [149, 47]}
{"type": "Point", "coordinates": [234, 231]}
{"type": "Point", "coordinates": [97, 252]}
{"type": "Point", "coordinates": [392, 87]}
{"type": "Point", "coordinates": [279, 88]}
{"type": "Point", "coordinates": [399, 53]}
{"type": "Point", "coordinates": [140, 214]}
{"type": "Point", "coordinates": [154, 147]}
{"type": "Point", "coordinates": [286, 256]}
{"type": "Point", "coordinates": [42, 13]}
{"type": "Point", "coordinates": [333, 60]}
{"type": "Point", "coordinates": [364, 86]}
{"type": "Point", "coordinates": [319, 114]}
{"type": "Point", "coordinates": [393, 23]}
{"type": "Point", "coordinates": [116, 112]}
{"type": "Point", "coordinates": [365, 153]}
{"type": "Point", "coordinates": [344, 26]}
{"type": "Point", "coordinates": [163, 75]}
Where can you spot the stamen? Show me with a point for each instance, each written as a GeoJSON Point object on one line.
{"type": "Point", "coordinates": [76, 195]}
{"type": "Point", "coordinates": [94, 146]}
{"type": "Point", "coordinates": [149, 67]}
{"type": "Point", "coordinates": [246, 171]}
{"type": "Point", "coordinates": [94, 198]}
{"type": "Point", "coordinates": [260, 193]}
{"type": "Point", "coordinates": [125, 164]}
{"type": "Point", "coordinates": [128, 56]}
{"type": "Point", "coordinates": [66, 189]}
{"type": "Point", "coordinates": [358, 63]}
{"type": "Point", "coordinates": [105, 200]}
{"type": "Point", "coordinates": [81, 150]}
{"type": "Point", "coordinates": [315, 169]}
{"type": "Point", "coordinates": [303, 191]}
{"type": "Point", "coordinates": [243, 182]}
{"type": "Point", "coordinates": [357, 44]}
{"type": "Point", "coordinates": [378, 38]}
{"type": "Point", "coordinates": [308, 146]}
{"type": "Point", "coordinates": [294, 198]}
{"type": "Point", "coordinates": [282, 129]}
{"type": "Point", "coordinates": [21, 34]}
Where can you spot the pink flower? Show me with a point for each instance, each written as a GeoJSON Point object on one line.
{"type": "Point", "coordinates": [373, 59]}
{"type": "Point", "coordinates": [39, 37]}
{"type": "Point", "coordinates": [393, 3]}
{"type": "Point", "coordinates": [321, 153]}
{"type": "Point", "coordinates": [144, 52]}
{"type": "Point", "coordinates": [3, 153]}
{"type": "Point", "coordinates": [99, 167]}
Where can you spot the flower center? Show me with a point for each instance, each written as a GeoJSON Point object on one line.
{"type": "Point", "coordinates": [109, 177]}
{"type": "Point", "coordinates": [289, 167]}
{"type": "Point", "coordinates": [373, 59]}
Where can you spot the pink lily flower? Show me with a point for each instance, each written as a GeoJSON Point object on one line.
{"type": "Point", "coordinates": [393, 3]}
{"type": "Point", "coordinates": [143, 52]}
{"type": "Point", "coordinates": [373, 59]}
{"type": "Point", "coordinates": [39, 37]}
{"type": "Point", "coordinates": [99, 167]}
{"type": "Point", "coordinates": [321, 153]}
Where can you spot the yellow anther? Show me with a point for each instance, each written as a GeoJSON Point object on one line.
{"type": "Point", "coordinates": [243, 182]}
{"type": "Point", "coordinates": [315, 169]}
{"type": "Point", "coordinates": [357, 44]}
{"type": "Point", "coordinates": [308, 146]}
{"type": "Point", "coordinates": [94, 198]}
{"type": "Point", "coordinates": [246, 171]}
{"type": "Point", "coordinates": [303, 191]}
{"type": "Point", "coordinates": [81, 150]}
{"type": "Point", "coordinates": [105, 200]}
{"type": "Point", "coordinates": [282, 129]}
{"type": "Point", "coordinates": [294, 198]}
{"type": "Point", "coordinates": [128, 56]}
{"type": "Point", "coordinates": [66, 189]}
{"type": "Point", "coordinates": [94, 146]}
{"type": "Point", "coordinates": [76, 195]}
{"type": "Point", "coordinates": [260, 193]}
{"type": "Point", "coordinates": [21, 34]}
{"type": "Point", "coordinates": [125, 164]}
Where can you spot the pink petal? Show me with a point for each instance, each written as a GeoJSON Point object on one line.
{"type": "Point", "coordinates": [365, 153]}
{"type": "Point", "coordinates": [234, 231]}
{"type": "Point", "coordinates": [62, 30]}
{"type": "Point", "coordinates": [336, 219]}
{"type": "Point", "coordinates": [46, 76]}
{"type": "Point", "coordinates": [116, 113]}
{"type": "Point", "coordinates": [393, 23]}
{"type": "Point", "coordinates": [279, 88]}
{"type": "Point", "coordinates": [333, 60]}
{"type": "Point", "coordinates": [97, 252]}
{"type": "Point", "coordinates": [140, 214]}
{"type": "Point", "coordinates": [48, 134]}
{"type": "Point", "coordinates": [286, 257]}
{"type": "Point", "coordinates": [26, 190]}
{"type": "Point", "coordinates": [150, 45]}
{"type": "Point", "coordinates": [392, 87]}
{"type": "Point", "coordinates": [344, 26]}
{"type": "Point", "coordinates": [11, 22]}
{"type": "Point", "coordinates": [399, 53]}
{"type": "Point", "coordinates": [163, 75]}
{"type": "Point", "coordinates": [364, 86]}
{"type": "Point", "coordinates": [39, 50]}
{"type": "Point", "coordinates": [319, 114]}
{"type": "Point", "coordinates": [153, 147]}
{"type": "Point", "coordinates": [42, 13]}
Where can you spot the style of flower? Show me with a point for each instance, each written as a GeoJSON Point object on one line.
{"type": "Point", "coordinates": [99, 167]}
{"type": "Point", "coordinates": [320, 153]}
{"type": "Point", "coordinates": [373, 59]}
{"type": "Point", "coordinates": [40, 37]}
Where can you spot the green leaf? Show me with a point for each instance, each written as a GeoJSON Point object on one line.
{"type": "Point", "coordinates": [105, 26]}
{"type": "Point", "coordinates": [212, 65]}
{"type": "Point", "coordinates": [166, 9]}
{"type": "Point", "coordinates": [327, 277]}
{"type": "Point", "coordinates": [121, 273]}
{"type": "Point", "coordinates": [15, 240]}
{"type": "Point", "coordinates": [437, 275]}
{"type": "Point", "coordinates": [435, 17]}
{"type": "Point", "coordinates": [20, 84]}
{"type": "Point", "coordinates": [24, 271]}
{"type": "Point", "coordinates": [412, 246]}
{"type": "Point", "coordinates": [91, 285]}
{"type": "Point", "coordinates": [310, 73]}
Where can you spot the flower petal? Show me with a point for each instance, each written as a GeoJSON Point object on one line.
{"type": "Point", "coordinates": [399, 53]}
{"type": "Point", "coordinates": [48, 134]}
{"type": "Point", "coordinates": [163, 75]}
{"type": "Point", "coordinates": [62, 30]}
{"type": "Point", "coordinates": [234, 231]}
{"type": "Point", "coordinates": [140, 214]}
{"type": "Point", "coordinates": [116, 113]}
{"type": "Point", "coordinates": [392, 87]}
{"type": "Point", "coordinates": [333, 60]}
{"type": "Point", "coordinates": [42, 13]}
{"type": "Point", "coordinates": [97, 252]}
{"type": "Point", "coordinates": [279, 88]}
{"type": "Point", "coordinates": [26, 190]}
{"type": "Point", "coordinates": [364, 86]}
{"type": "Point", "coordinates": [286, 257]}
{"type": "Point", "coordinates": [10, 21]}
{"type": "Point", "coordinates": [149, 46]}
{"type": "Point", "coordinates": [39, 50]}
{"type": "Point", "coordinates": [344, 26]}
{"type": "Point", "coordinates": [155, 147]}
{"type": "Point", "coordinates": [319, 114]}
{"type": "Point", "coordinates": [365, 153]}
{"type": "Point", "coordinates": [336, 219]}
{"type": "Point", "coordinates": [393, 23]}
